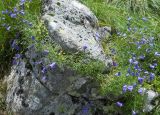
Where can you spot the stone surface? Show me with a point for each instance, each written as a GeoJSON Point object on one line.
{"type": "Point", "coordinates": [151, 95]}
{"type": "Point", "coordinates": [62, 92]}
{"type": "Point", "coordinates": [75, 28]}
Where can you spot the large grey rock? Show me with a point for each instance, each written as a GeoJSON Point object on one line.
{"type": "Point", "coordinates": [75, 28]}
{"type": "Point", "coordinates": [62, 92]}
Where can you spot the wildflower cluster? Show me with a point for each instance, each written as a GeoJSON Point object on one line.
{"type": "Point", "coordinates": [143, 65]}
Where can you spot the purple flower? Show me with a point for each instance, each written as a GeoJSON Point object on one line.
{"type": "Point", "coordinates": [33, 37]}
{"type": "Point", "coordinates": [157, 54]}
{"type": "Point", "coordinates": [5, 12]}
{"type": "Point", "coordinates": [39, 62]}
{"type": "Point", "coordinates": [137, 74]}
{"type": "Point", "coordinates": [15, 9]}
{"type": "Point", "coordinates": [115, 64]}
{"type": "Point", "coordinates": [151, 76]}
{"type": "Point", "coordinates": [44, 78]}
{"type": "Point", "coordinates": [17, 56]}
{"type": "Point", "coordinates": [44, 70]}
{"type": "Point", "coordinates": [151, 66]}
{"type": "Point", "coordinates": [135, 62]}
{"type": "Point", "coordinates": [130, 61]}
{"type": "Point", "coordinates": [13, 15]}
{"type": "Point", "coordinates": [8, 28]}
{"type": "Point", "coordinates": [140, 91]}
{"type": "Point", "coordinates": [14, 62]}
{"type": "Point", "coordinates": [129, 70]}
{"type": "Point", "coordinates": [136, 67]}
{"type": "Point", "coordinates": [119, 104]}
{"type": "Point", "coordinates": [22, 2]}
{"type": "Point", "coordinates": [133, 112]}
{"type": "Point", "coordinates": [130, 88]}
{"type": "Point", "coordinates": [124, 89]}
{"type": "Point", "coordinates": [21, 12]}
{"type": "Point", "coordinates": [142, 57]}
{"type": "Point", "coordinates": [85, 110]}
{"type": "Point", "coordinates": [14, 45]}
{"type": "Point", "coordinates": [118, 74]}
{"type": "Point", "coordinates": [53, 65]}
{"type": "Point", "coordinates": [85, 47]}
{"type": "Point", "coordinates": [140, 80]}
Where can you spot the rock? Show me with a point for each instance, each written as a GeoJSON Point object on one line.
{"type": "Point", "coordinates": [75, 28]}
{"type": "Point", "coordinates": [148, 103]}
{"type": "Point", "coordinates": [62, 93]}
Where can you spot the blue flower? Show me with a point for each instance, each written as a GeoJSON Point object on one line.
{"type": "Point", "coordinates": [157, 54]}
{"type": "Point", "coordinates": [44, 70]}
{"type": "Point", "coordinates": [21, 12]}
{"type": "Point", "coordinates": [151, 66]}
{"type": "Point", "coordinates": [53, 65]}
{"type": "Point", "coordinates": [8, 28]}
{"type": "Point", "coordinates": [140, 80]}
{"type": "Point", "coordinates": [142, 57]}
{"type": "Point", "coordinates": [124, 89]}
{"type": "Point", "coordinates": [13, 15]}
{"type": "Point", "coordinates": [33, 37]}
{"type": "Point", "coordinates": [22, 2]}
{"type": "Point", "coordinates": [14, 62]}
{"type": "Point", "coordinates": [133, 112]}
{"type": "Point", "coordinates": [44, 78]}
{"type": "Point", "coordinates": [15, 9]}
{"type": "Point", "coordinates": [17, 56]}
{"type": "Point", "coordinates": [140, 91]}
{"type": "Point", "coordinates": [115, 64]}
{"type": "Point", "coordinates": [130, 88]}
{"type": "Point", "coordinates": [151, 76]}
{"type": "Point", "coordinates": [119, 104]}
{"type": "Point", "coordinates": [85, 110]}
{"type": "Point", "coordinates": [85, 47]}
{"type": "Point", "coordinates": [118, 74]}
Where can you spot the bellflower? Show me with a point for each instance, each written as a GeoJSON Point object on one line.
{"type": "Point", "coordinates": [119, 104]}
{"type": "Point", "coordinates": [140, 80]}
{"type": "Point", "coordinates": [130, 88]}
{"type": "Point", "coordinates": [124, 89]}
{"type": "Point", "coordinates": [53, 65]}
{"type": "Point", "coordinates": [44, 78]}
{"type": "Point", "coordinates": [157, 54]}
{"type": "Point", "coordinates": [151, 76]}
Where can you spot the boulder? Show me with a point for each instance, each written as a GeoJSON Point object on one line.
{"type": "Point", "coordinates": [60, 92]}
{"type": "Point", "coordinates": [73, 26]}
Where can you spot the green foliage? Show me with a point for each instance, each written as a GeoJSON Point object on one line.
{"type": "Point", "coordinates": [78, 61]}
{"type": "Point", "coordinates": [122, 16]}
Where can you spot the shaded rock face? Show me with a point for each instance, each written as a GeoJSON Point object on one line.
{"type": "Point", "coordinates": [75, 28]}
{"type": "Point", "coordinates": [62, 92]}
